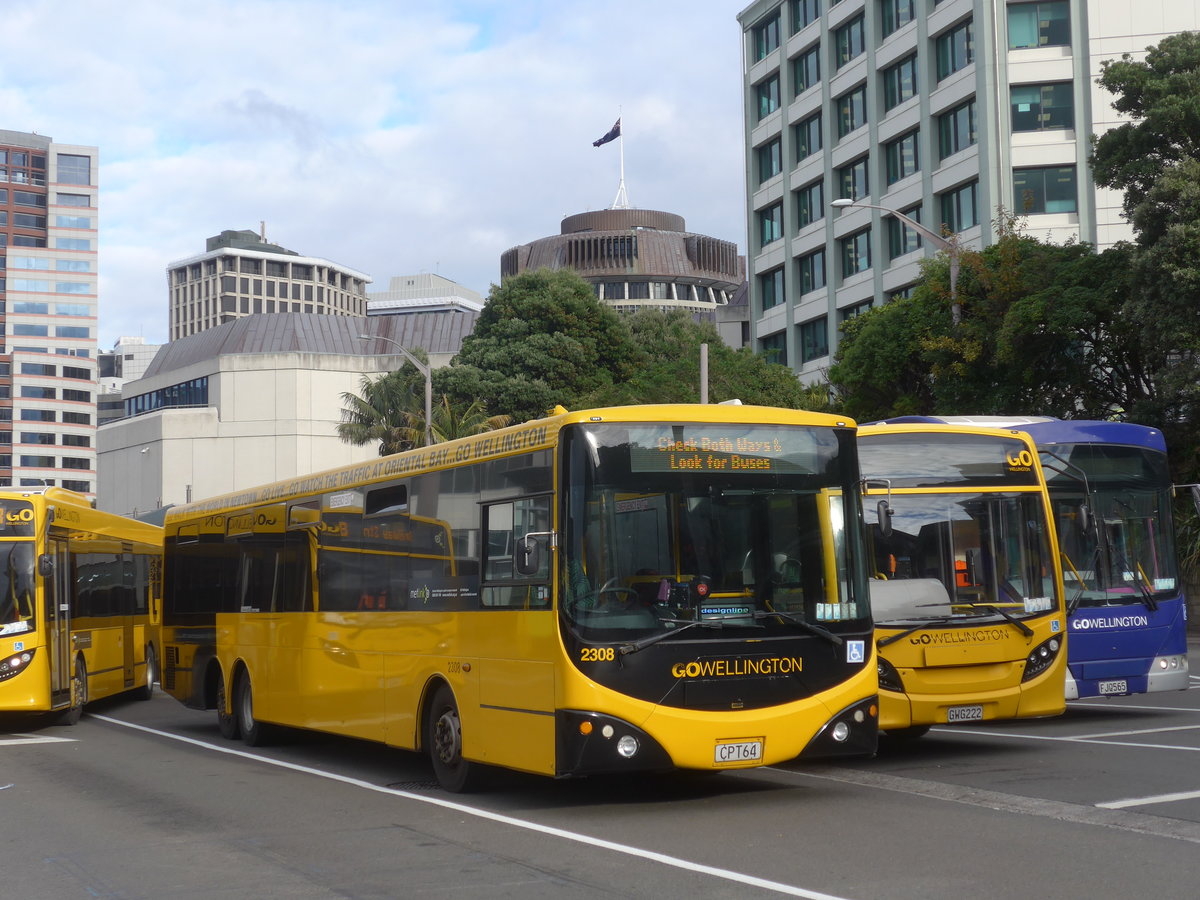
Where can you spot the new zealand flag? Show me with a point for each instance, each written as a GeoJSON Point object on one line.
{"type": "Point", "coordinates": [613, 134]}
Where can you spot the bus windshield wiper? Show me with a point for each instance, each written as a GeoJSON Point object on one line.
{"type": "Point", "coordinates": [642, 643]}
{"type": "Point", "coordinates": [1003, 613]}
{"type": "Point", "coordinates": [803, 623]}
{"type": "Point", "coordinates": [892, 638]}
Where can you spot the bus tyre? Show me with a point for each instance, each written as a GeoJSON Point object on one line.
{"type": "Point", "coordinates": [227, 722]}
{"type": "Point", "coordinates": [444, 741]}
{"type": "Point", "coordinates": [79, 689]}
{"type": "Point", "coordinates": [254, 733]}
{"type": "Point", "coordinates": [146, 691]}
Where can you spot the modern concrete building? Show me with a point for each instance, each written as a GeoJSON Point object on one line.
{"type": "Point", "coordinates": [252, 401]}
{"type": "Point", "coordinates": [424, 293]}
{"type": "Point", "coordinates": [48, 312]}
{"type": "Point", "coordinates": [126, 361]}
{"type": "Point", "coordinates": [637, 258]}
{"type": "Point", "coordinates": [241, 274]}
{"type": "Point", "coordinates": [944, 110]}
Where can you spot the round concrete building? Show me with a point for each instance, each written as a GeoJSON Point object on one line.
{"type": "Point", "coordinates": [637, 258]}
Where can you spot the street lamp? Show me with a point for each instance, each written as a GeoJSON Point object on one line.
{"type": "Point", "coordinates": [950, 245]}
{"type": "Point", "coordinates": [423, 369]}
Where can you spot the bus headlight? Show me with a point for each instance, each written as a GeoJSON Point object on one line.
{"type": "Point", "coordinates": [627, 746]}
{"type": "Point", "coordinates": [1041, 658]}
{"type": "Point", "coordinates": [15, 664]}
{"type": "Point", "coordinates": [840, 732]}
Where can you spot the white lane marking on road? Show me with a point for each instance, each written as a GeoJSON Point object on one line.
{"type": "Point", "coordinates": [676, 862]}
{"type": "Point", "coordinates": [1147, 801]}
{"type": "Point", "coordinates": [1116, 708]}
{"type": "Point", "coordinates": [19, 739]}
{"type": "Point", "coordinates": [1108, 734]}
{"type": "Point", "coordinates": [1062, 740]}
{"type": "Point", "coordinates": [1139, 823]}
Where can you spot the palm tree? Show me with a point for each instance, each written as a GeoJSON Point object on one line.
{"type": "Point", "coordinates": [384, 412]}
{"type": "Point", "coordinates": [450, 423]}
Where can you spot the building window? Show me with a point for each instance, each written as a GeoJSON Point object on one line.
{"type": "Point", "coordinates": [806, 69]}
{"type": "Point", "coordinates": [1036, 107]}
{"type": "Point", "coordinates": [74, 169]}
{"type": "Point", "coordinates": [853, 312]}
{"type": "Point", "coordinates": [770, 160]}
{"type": "Point", "coordinates": [804, 13]}
{"type": "Point", "coordinates": [960, 207]}
{"type": "Point", "coordinates": [808, 137]}
{"type": "Point", "coordinates": [955, 49]}
{"type": "Point", "coordinates": [903, 238]}
{"type": "Point", "coordinates": [895, 13]}
{"type": "Point", "coordinates": [1046, 24]}
{"type": "Point", "coordinates": [76, 440]}
{"type": "Point", "coordinates": [852, 110]}
{"type": "Point", "coordinates": [770, 287]}
{"type": "Point", "coordinates": [768, 96]}
{"type": "Point", "coordinates": [38, 462]}
{"type": "Point", "coordinates": [853, 181]}
{"type": "Point", "coordinates": [850, 41]}
{"type": "Point", "coordinates": [902, 158]}
{"type": "Point", "coordinates": [856, 252]}
{"type": "Point", "coordinates": [900, 82]}
{"type": "Point", "coordinates": [1045, 190]}
{"type": "Point", "coordinates": [34, 392]}
{"type": "Point", "coordinates": [956, 129]}
{"type": "Point", "coordinates": [73, 199]}
{"type": "Point", "coordinates": [814, 339]}
{"type": "Point", "coordinates": [811, 267]}
{"type": "Point", "coordinates": [770, 224]}
{"type": "Point", "coordinates": [766, 37]}
{"type": "Point", "coordinates": [774, 348]}
{"type": "Point", "coordinates": [22, 330]}
{"type": "Point", "coordinates": [810, 204]}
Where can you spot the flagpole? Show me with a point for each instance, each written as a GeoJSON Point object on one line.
{"type": "Point", "coordinates": [621, 201]}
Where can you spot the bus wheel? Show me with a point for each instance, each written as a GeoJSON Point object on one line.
{"type": "Point", "coordinates": [79, 689]}
{"type": "Point", "coordinates": [254, 733]}
{"type": "Point", "coordinates": [146, 691]}
{"type": "Point", "coordinates": [227, 722]}
{"type": "Point", "coordinates": [444, 740]}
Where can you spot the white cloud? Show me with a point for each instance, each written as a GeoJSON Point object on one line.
{"type": "Point", "coordinates": [390, 137]}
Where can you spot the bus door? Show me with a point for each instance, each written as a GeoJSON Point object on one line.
{"type": "Point", "coordinates": [127, 593]}
{"type": "Point", "coordinates": [57, 588]}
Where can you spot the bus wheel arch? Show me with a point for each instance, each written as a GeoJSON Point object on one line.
{"type": "Point", "coordinates": [443, 741]}
{"type": "Point", "coordinates": [217, 696]}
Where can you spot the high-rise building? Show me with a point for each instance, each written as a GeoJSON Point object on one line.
{"type": "Point", "coordinates": [48, 312]}
{"type": "Point", "coordinates": [943, 110]}
{"type": "Point", "coordinates": [241, 274]}
{"type": "Point", "coordinates": [637, 258]}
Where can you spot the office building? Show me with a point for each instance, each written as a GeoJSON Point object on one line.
{"type": "Point", "coordinates": [424, 293]}
{"type": "Point", "coordinates": [944, 110]}
{"type": "Point", "coordinates": [241, 274]}
{"type": "Point", "coordinates": [48, 312]}
{"type": "Point", "coordinates": [126, 361]}
{"type": "Point", "coordinates": [638, 258]}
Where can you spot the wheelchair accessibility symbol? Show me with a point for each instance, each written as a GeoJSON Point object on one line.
{"type": "Point", "coordinates": [856, 651]}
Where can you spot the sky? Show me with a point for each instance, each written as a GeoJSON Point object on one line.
{"type": "Point", "coordinates": [393, 138]}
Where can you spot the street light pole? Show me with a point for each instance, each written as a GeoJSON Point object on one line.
{"type": "Point", "coordinates": [950, 245]}
{"type": "Point", "coordinates": [423, 369]}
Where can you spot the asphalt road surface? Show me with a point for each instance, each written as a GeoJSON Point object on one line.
{"type": "Point", "coordinates": [145, 800]}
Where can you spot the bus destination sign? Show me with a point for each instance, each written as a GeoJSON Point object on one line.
{"type": "Point", "coordinates": [724, 450]}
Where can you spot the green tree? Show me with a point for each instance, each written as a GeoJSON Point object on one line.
{"type": "Point", "coordinates": [388, 409]}
{"type": "Point", "coordinates": [451, 422]}
{"type": "Point", "coordinates": [668, 344]}
{"type": "Point", "coordinates": [1161, 98]}
{"type": "Point", "coordinates": [542, 339]}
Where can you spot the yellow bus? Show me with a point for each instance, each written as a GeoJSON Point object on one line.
{"type": "Point", "coordinates": [966, 586]}
{"type": "Point", "coordinates": [612, 590]}
{"type": "Point", "coordinates": [79, 608]}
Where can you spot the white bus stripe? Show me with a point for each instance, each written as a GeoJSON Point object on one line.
{"type": "Point", "coordinates": [664, 859]}
{"type": "Point", "coordinates": [1146, 801]}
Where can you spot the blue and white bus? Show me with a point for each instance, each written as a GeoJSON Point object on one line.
{"type": "Point", "coordinates": [1111, 490]}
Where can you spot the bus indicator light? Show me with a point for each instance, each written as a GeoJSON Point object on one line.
{"type": "Point", "coordinates": [585, 728]}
